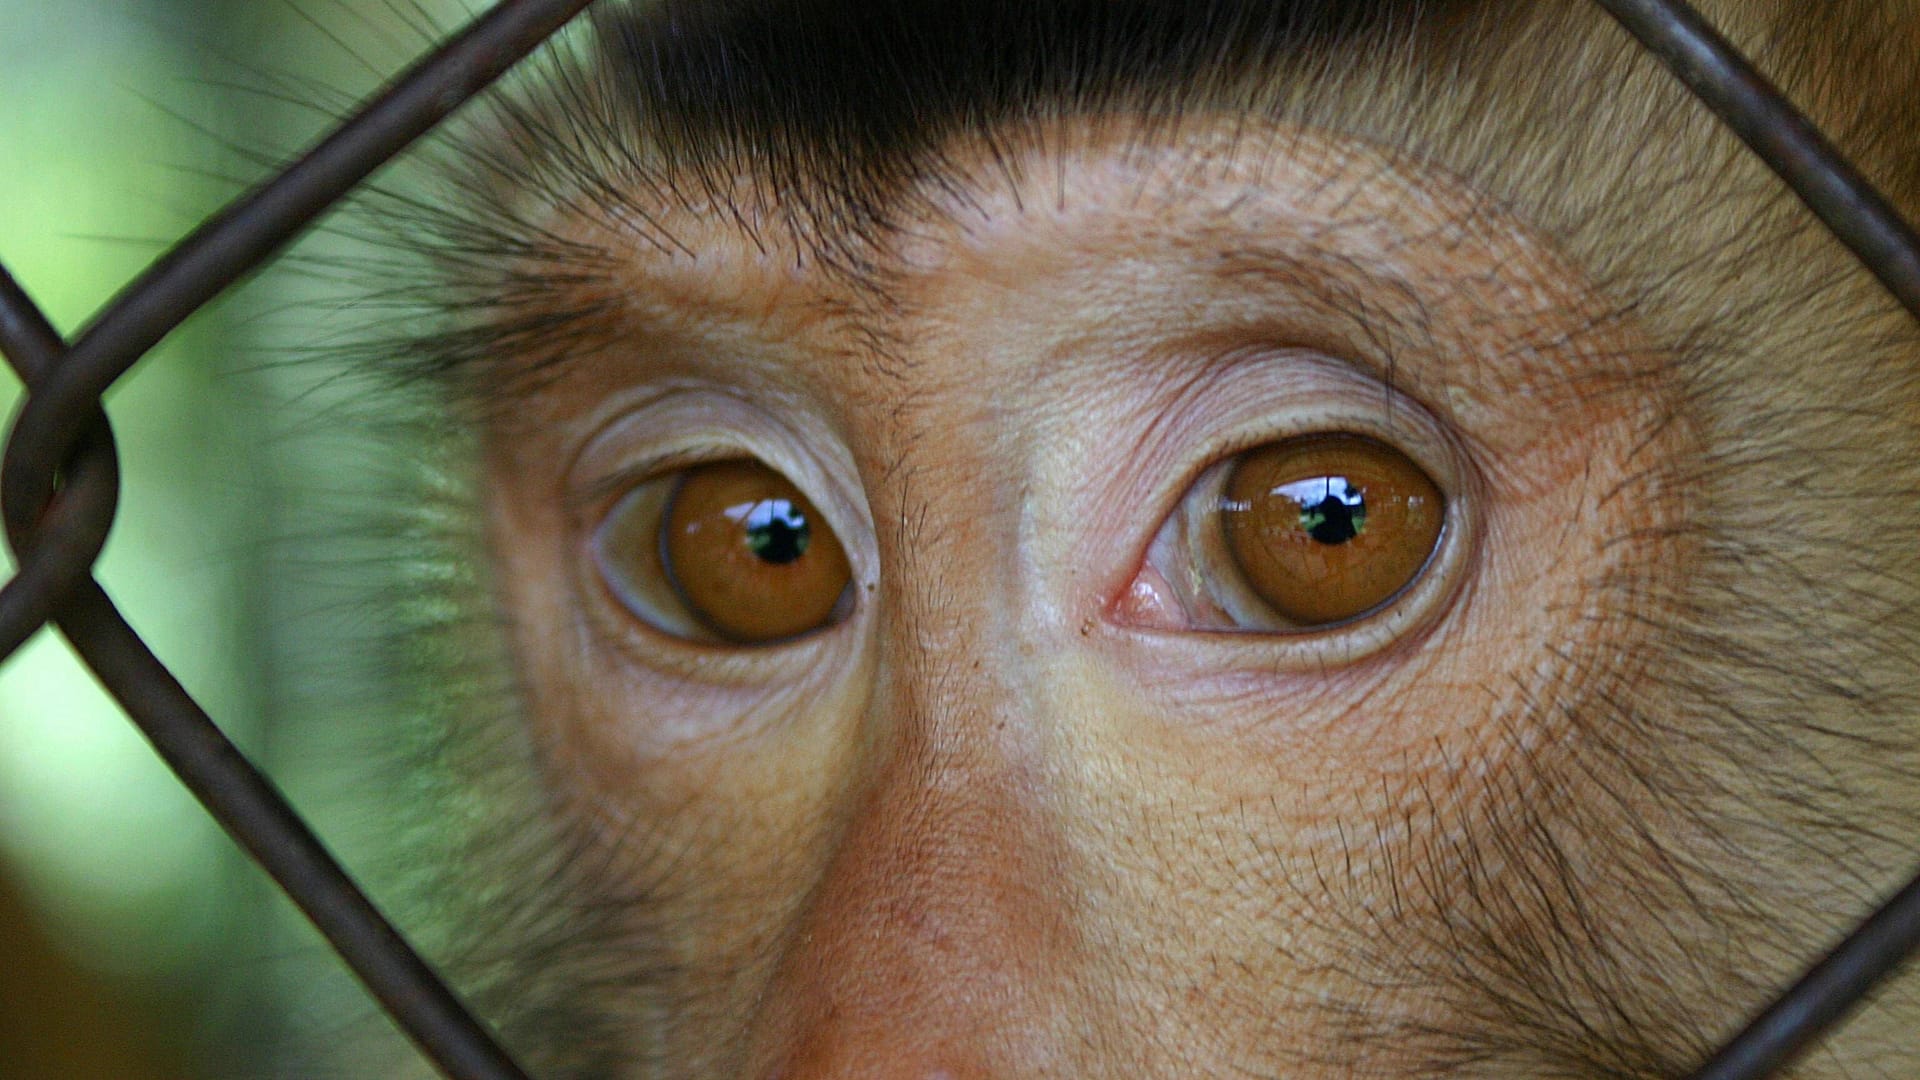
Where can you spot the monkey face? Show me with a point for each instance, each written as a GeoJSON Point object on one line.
{"type": "Point", "coordinates": [1328, 577]}
{"type": "Point", "coordinates": [1015, 792]}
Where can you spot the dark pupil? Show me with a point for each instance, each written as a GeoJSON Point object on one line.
{"type": "Point", "coordinates": [777, 531]}
{"type": "Point", "coordinates": [1337, 514]}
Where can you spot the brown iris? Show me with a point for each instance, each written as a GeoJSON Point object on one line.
{"type": "Point", "coordinates": [749, 555]}
{"type": "Point", "coordinates": [1327, 528]}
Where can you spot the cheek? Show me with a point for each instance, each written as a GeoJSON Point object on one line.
{"type": "Point", "coordinates": [1340, 827]}
{"type": "Point", "coordinates": [716, 787]}
{"type": "Point", "coordinates": [1281, 855]}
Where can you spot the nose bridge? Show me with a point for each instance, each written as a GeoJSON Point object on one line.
{"type": "Point", "coordinates": [927, 943]}
{"type": "Point", "coordinates": [928, 946]}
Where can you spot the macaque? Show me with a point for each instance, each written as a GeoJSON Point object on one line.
{"type": "Point", "coordinates": [1161, 538]}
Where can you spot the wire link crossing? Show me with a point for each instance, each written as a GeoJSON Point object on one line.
{"type": "Point", "coordinates": [59, 487]}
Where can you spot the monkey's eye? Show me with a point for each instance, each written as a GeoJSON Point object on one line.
{"type": "Point", "coordinates": [1298, 535]}
{"type": "Point", "coordinates": [730, 551]}
{"type": "Point", "coordinates": [1326, 529]}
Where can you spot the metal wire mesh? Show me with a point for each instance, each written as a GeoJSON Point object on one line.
{"type": "Point", "coordinates": [60, 484]}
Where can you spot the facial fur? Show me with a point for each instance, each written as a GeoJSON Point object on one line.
{"type": "Point", "coordinates": [995, 283]}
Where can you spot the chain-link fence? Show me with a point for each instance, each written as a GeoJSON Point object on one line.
{"type": "Point", "coordinates": [60, 485]}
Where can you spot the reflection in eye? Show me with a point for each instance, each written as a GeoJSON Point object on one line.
{"type": "Point", "coordinates": [1327, 528]}
{"type": "Point", "coordinates": [731, 550]}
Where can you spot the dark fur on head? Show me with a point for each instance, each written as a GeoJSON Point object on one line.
{"type": "Point", "coordinates": [1766, 719]}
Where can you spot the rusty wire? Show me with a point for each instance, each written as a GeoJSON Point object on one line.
{"type": "Point", "coordinates": [59, 490]}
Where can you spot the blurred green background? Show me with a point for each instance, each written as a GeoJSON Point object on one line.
{"type": "Point", "coordinates": [134, 941]}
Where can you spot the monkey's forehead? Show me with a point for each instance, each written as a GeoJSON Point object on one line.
{"type": "Point", "coordinates": [830, 118]}
{"type": "Point", "coordinates": [829, 134]}
{"type": "Point", "coordinates": [1069, 235]}
{"type": "Point", "coordinates": [838, 108]}
{"type": "Point", "coordinates": [1225, 190]}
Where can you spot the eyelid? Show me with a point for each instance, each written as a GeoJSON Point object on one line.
{"type": "Point", "coordinates": [667, 428]}
{"type": "Point", "coordinates": [615, 488]}
{"type": "Point", "coordinates": [679, 426]}
{"type": "Point", "coordinates": [1260, 395]}
{"type": "Point", "coordinates": [1263, 395]}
